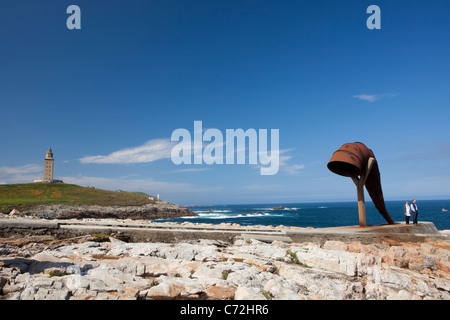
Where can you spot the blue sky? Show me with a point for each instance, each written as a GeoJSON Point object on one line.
{"type": "Point", "coordinates": [138, 70]}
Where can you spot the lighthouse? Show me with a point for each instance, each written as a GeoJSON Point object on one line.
{"type": "Point", "coordinates": [48, 166]}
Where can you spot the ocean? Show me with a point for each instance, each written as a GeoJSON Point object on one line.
{"type": "Point", "coordinates": [316, 215]}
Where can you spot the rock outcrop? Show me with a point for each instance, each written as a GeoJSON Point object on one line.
{"type": "Point", "coordinates": [158, 210]}
{"type": "Point", "coordinates": [212, 269]}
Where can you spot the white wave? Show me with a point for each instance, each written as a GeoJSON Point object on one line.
{"type": "Point", "coordinates": [211, 215]}
{"type": "Point", "coordinates": [212, 211]}
{"type": "Point", "coordinates": [226, 214]}
{"type": "Point", "coordinates": [219, 215]}
{"type": "Point", "coordinates": [285, 208]}
{"type": "Point", "coordinates": [253, 214]}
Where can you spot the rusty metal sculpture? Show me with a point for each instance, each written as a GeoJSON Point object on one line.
{"type": "Point", "coordinates": [353, 160]}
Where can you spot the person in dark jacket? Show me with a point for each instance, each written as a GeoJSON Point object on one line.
{"type": "Point", "coordinates": [414, 211]}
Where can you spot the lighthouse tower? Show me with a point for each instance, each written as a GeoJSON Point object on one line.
{"type": "Point", "coordinates": [48, 167]}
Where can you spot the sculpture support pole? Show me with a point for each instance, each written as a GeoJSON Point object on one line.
{"type": "Point", "coordinates": [360, 192]}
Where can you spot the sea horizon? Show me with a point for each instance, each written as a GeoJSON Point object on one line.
{"type": "Point", "coordinates": [293, 202]}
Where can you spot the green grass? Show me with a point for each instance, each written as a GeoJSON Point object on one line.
{"type": "Point", "coordinates": [26, 196]}
{"type": "Point", "coordinates": [292, 255]}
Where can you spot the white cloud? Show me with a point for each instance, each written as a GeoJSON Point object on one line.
{"type": "Point", "coordinates": [124, 184]}
{"type": "Point", "coordinates": [175, 192]}
{"type": "Point", "coordinates": [284, 165]}
{"type": "Point", "coordinates": [289, 168]}
{"type": "Point", "coordinates": [150, 151]}
{"type": "Point", "coordinates": [21, 174]}
{"type": "Point", "coordinates": [191, 170]}
{"type": "Point", "coordinates": [293, 168]}
{"type": "Point", "coordinates": [374, 97]}
{"type": "Point", "coordinates": [28, 168]}
{"type": "Point", "coordinates": [157, 149]}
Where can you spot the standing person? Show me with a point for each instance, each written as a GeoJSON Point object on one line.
{"type": "Point", "coordinates": [414, 210]}
{"type": "Point", "coordinates": [407, 212]}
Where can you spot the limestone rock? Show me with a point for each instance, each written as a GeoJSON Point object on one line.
{"type": "Point", "coordinates": [216, 270]}
{"type": "Point", "coordinates": [220, 293]}
{"type": "Point", "coordinates": [249, 293]}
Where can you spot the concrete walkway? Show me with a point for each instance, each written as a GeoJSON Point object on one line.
{"type": "Point", "coordinates": [164, 232]}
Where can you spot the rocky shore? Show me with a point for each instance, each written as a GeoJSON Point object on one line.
{"type": "Point", "coordinates": [157, 210]}
{"type": "Point", "coordinates": [101, 267]}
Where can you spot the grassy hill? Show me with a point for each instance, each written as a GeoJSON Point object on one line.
{"type": "Point", "coordinates": [27, 196]}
